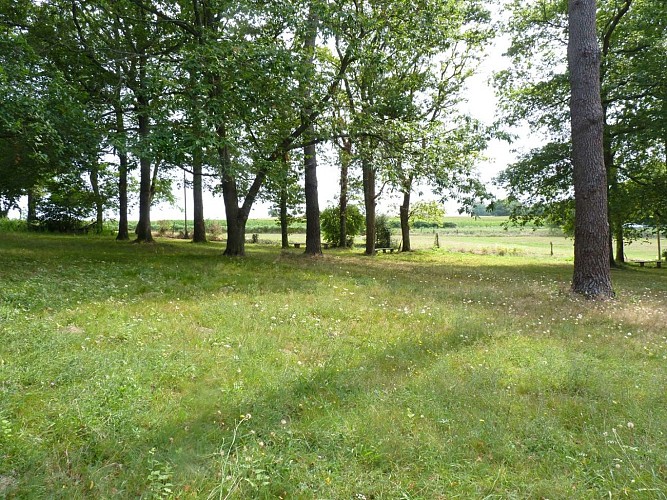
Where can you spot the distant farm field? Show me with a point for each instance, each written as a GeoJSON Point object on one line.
{"type": "Point", "coordinates": [169, 371]}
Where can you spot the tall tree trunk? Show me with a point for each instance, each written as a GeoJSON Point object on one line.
{"type": "Point", "coordinates": [123, 225]}
{"type": "Point", "coordinates": [143, 231]}
{"type": "Point", "coordinates": [313, 236]}
{"type": "Point", "coordinates": [368, 174]}
{"type": "Point", "coordinates": [591, 234]}
{"type": "Point", "coordinates": [284, 233]}
{"type": "Point", "coordinates": [405, 222]}
{"type": "Point", "coordinates": [345, 159]}
{"type": "Point", "coordinates": [199, 232]}
{"type": "Point", "coordinates": [405, 214]}
{"type": "Point", "coordinates": [99, 205]}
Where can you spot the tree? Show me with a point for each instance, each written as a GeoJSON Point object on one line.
{"type": "Point", "coordinates": [591, 251]}
{"type": "Point", "coordinates": [535, 88]}
{"type": "Point", "coordinates": [48, 128]}
{"type": "Point", "coordinates": [410, 73]}
{"type": "Point", "coordinates": [313, 237]}
{"type": "Point", "coordinates": [331, 224]}
{"type": "Point", "coordinates": [283, 189]}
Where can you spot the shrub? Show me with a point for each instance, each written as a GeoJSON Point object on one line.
{"type": "Point", "coordinates": [330, 224]}
{"type": "Point", "coordinates": [12, 225]}
{"type": "Point", "coordinates": [382, 232]}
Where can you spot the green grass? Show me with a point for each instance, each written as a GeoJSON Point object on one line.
{"type": "Point", "coordinates": [170, 371]}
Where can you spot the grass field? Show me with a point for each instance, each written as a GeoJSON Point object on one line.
{"type": "Point", "coordinates": [488, 235]}
{"type": "Point", "coordinates": [169, 371]}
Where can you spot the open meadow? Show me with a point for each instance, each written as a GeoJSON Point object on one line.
{"type": "Point", "coordinates": [469, 371]}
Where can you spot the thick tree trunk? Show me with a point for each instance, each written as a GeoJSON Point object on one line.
{"type": "Point", "coordinates": [345, 159]}
{"type": "Point", "coordinates": [313, 236]}
{"type": "Point", "coordinates": [123, 226]}
{"type": "Point", "coordinates": [236, 216]}
{"type": "Point", "coordinates": [284, 233]}
{"type": "Point", "coordinates": [236, 220]}
{"type": "Point", "coordinates": [199, 232]}
{"type": "Point", "coordinates": [591, 234]}
{"type": "Point", "coordinates": [99, 205]}
{"type": "Point", "coordinates": [405, 221]}
{"type": "Point", "coordinates": [143, 231]}
{"type": "Point", "coordinates": [368, 174]}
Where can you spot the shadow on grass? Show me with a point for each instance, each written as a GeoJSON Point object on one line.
{"type": "Point", "coordinates": [360, 412]}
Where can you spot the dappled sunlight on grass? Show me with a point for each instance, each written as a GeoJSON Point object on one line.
{"type": "Point", "coordinates": [130, 370]}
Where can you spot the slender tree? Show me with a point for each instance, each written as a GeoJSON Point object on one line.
{"type": "Point", "coordinates": [313, 237]}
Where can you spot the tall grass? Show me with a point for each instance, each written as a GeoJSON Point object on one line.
{"type": "Point", "coordinates": [167, 370]}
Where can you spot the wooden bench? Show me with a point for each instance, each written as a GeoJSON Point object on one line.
{"type": "Point", "coordinates": [658, 263]}
{"type": "Point", "coordinates": [384, 250]}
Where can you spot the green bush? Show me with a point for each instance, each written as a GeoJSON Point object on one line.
{"type": "Point", "coordinates": [330, 224]}
{"type": "Point", "coordinates": [12, 225]}
{"type": "Point", "coordinates": [382, 232]}
{"type": "Point", "coordinates": [421, 224]}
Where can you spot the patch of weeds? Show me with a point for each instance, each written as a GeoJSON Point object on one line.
{"type": "Point", "coordinates": [160, 477]}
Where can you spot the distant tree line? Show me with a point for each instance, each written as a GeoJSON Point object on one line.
{"type": "Point", "coordinates": [241, 97]}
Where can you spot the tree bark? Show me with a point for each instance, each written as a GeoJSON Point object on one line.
{"type": "Point", "coordinates": [143, 231]}
{"type": "Point", "coordinates": [313, 236]}
{"type": "Point", "coordinates": [591, 234]}
{"type": "Point", "coordinates": [123, 226]}
{"type": "Point", "coordinates": [405, 221]}
{"type": "Point", "coordinates": [236, 219]}
{"type": "Point", "coordinates": [199, 230]}
{"type": "Point", "coordinates": [284, 233]}
{"type": "Point", "coordinates": [368, 174]}
{"type": "Point", "coordinates": [345, 159]}
{"type": "Point", "coordinates": [236, 216]}
{"type": "Point", "coordinates": [405, 213]}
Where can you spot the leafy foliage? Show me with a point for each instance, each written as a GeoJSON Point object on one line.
{"type": "Point", "coordinates": [330, 224]}
{"type": "Point", "coordinates": [382, 232]}
{"type": "Point", "coordinates": [534, 90]}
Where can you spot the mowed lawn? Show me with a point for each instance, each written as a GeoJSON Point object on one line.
{"type": "Point", "coordinates": [170, 371]}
